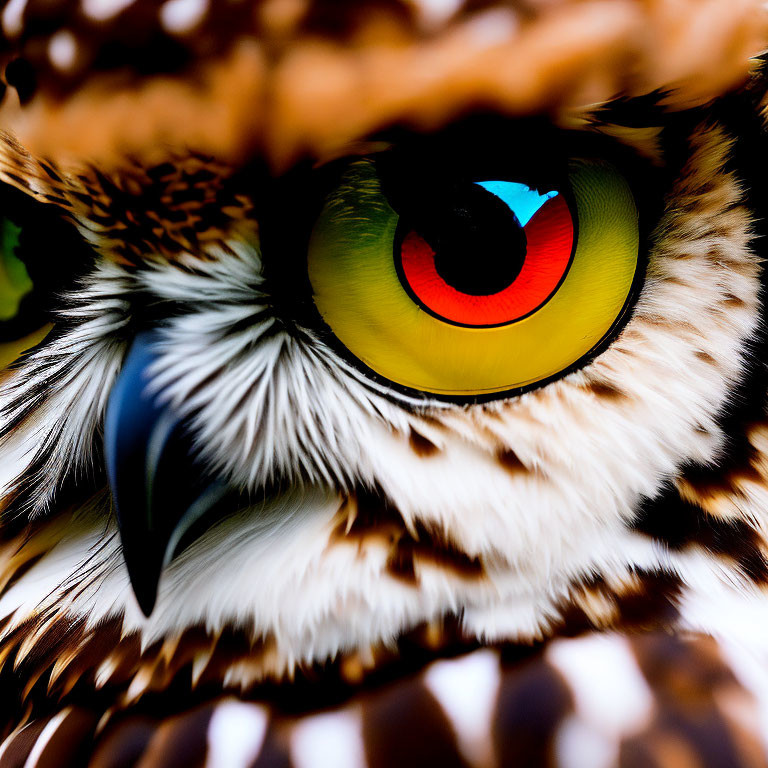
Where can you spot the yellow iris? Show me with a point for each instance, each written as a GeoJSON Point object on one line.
{"type": "Point", "coordinates": [360, 296]}
{"type": "Point", "coordinates": [11, 350]}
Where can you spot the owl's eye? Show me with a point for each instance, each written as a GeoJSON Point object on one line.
{"type": "Point", "coordinates": [481, 286]}
{"type": "Point", "coordinates": [41, 257]}
{"type": "Point", "coordinates": [15, 282]}
{"type": "Point", "coordinates": [20, 324]}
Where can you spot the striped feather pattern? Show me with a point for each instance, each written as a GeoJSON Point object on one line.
{"type": "Point", "coordinates": [594, 701]}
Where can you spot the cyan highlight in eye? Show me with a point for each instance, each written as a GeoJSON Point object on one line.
{"type": "Point", "coordinates": [523, 200]}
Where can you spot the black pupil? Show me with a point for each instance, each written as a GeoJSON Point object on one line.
{"type": "Point", "coordinates": [478, 241]}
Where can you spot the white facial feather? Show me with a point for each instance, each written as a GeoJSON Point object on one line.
{"type": "Point", "coordinates": [52, 409]}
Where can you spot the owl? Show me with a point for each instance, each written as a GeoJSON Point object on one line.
{"type": "Point", "coordinates": [383, 383]}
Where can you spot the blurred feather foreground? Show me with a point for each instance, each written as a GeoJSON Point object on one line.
{"type": "Point", "coordinates": [287, 77]}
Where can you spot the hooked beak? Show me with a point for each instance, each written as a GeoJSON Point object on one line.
{"type": "Point", "coordinates": [158, 487]}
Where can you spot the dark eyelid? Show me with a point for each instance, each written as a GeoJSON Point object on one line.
{"type": "Point", "coordinates": [533, 150]}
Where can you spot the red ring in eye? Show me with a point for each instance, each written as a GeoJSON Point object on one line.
{"type": "Point", "coordinates": [549, 235]}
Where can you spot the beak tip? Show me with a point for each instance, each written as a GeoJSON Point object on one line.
{"type": "Point", "coordinates": [147, 606]}
{"type": "Point", "coordinates": [145, 582]}
{"type": "Point", "coordinates": [146, 598]}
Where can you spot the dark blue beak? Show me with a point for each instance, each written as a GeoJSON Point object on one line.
{"type": "Point", "coordinates": [160, 491]}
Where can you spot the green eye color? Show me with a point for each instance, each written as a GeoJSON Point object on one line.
{"type": "Point", "coordinates": [15, 282]}
{"type": "Point", "coordinates": [42, 255]}
{"type": "Point", "coordinates": [21, 323]}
